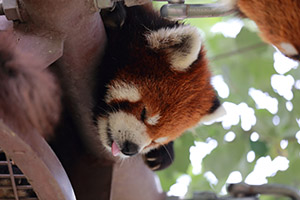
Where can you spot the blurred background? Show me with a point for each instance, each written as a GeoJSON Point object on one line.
{"type": "Point", "coordinates": [258, 141]}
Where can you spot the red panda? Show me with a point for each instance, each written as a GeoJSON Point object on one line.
{"type": "Point", "coordinates": [278, 22]}
{"type": "Point", "coordinates": [156, 81]}
{"type": "Point", "coordinates": [29, 96]}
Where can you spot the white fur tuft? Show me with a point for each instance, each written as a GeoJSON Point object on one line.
{"type": "Point", "coordinates": [161, 140]}
{"type": "Point", "coordinates": [288, 49]}
{"type": "Point", "coordinates": [219, 112]}
{"type": "Point", "coordinates": [120, 90]}
{"type": "Point", "coordinates": [153, 120]}
{"type": "Point", "coordinates": [182, 44]}
{"type": "Point", "coordinates": [229, 3]}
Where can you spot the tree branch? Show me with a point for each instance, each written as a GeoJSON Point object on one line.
{"type": "Point", "coordinates": [242, 190]}
{"type": "Point", "coordinates": [237, 51]}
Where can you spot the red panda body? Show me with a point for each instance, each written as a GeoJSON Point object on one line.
{"type": "Point", "coordinates": [29, 97]}
{"type": "Point", "coordinates": [29, 102]}
{"type": "Point", "coordinates": [156, 82]}
{"type": "Point", "coordinates": [278, 22]}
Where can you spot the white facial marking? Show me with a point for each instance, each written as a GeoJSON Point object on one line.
{"type": "Point", "coordinates": [153, 120]}
{"type": "Point", "coordinates": [120, 90]}
{"type": "Point", "coordinates": [288, 49]}
{"type": "Point", "coordinates": [219, 112]}
{"type": "Point", "coordinates": [182, 44]}
{"type": "Point", "coordinates": [125, 126]}
{"type": "Point", "coordinates": [161, 140]}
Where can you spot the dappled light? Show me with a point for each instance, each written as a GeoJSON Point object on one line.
{"type": "Point", "coordinates": [254, 136]}
{"type": "Point", "coordinates": [276, 120]}
{"type": "Point", "coordinates": [264, 100]}
{"type": "Point", "coordinates": [283, 85]}
{"type": "Point", "coordinates": [199, 151]}
{"type": "Point", "coordinates": [250, 156]}
{"type": "Point", "coordinates": [220, 86]}
{"type": "Point", "coordinates": [180, 188]}
{"type": "Point", "coordinates": [230, 28]}
{"type": "Point", "coordinates": [234, 177]}
{"type": "Point", "coordinates": [283, 64]}
{"type": "Point", "coordinates": [211, 178]}
{"type": "Point", "coordinates": [230, 136]}
{"type": "Point", "coordinates": [259, 174]}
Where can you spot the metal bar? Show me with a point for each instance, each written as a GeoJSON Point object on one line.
{"type": "Point", "coordinates": [20, 187]}
{"type": "Point", "coordinates": [13, 183]}
{"type": "Point", "coordinates": [32, 154]}
{"type": "Point", "coordinates": [1, 8]}
{"type": "Point", "coordinates": [176, 1]}
{"type": "Point", "coordinates": [24, 187]}
{"type": "Point", "coordinates": [270, 189]}
{"type": "Point", "coordinates": [22, 199]}
{"type": "Point", "coordinates": [182, 11]}
{"type": "Point", "coordinates": [213, 196]}
{"type": "Point", "coordinates": [11, 10]}
{"type": "Point", "coordinates": [15, 175]}
{"type": "Point", "coordinates": [3, 162]}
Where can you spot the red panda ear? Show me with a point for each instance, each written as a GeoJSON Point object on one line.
{"type": "Point", "coordinates": [182, 44]}
{"type": "Point", "coordinates": [228, 3]}
{"type": "Point", "coordinates": [215, 112]}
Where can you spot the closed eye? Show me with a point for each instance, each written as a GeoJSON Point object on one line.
{"type": "Point", "coordinates": [143, 114]}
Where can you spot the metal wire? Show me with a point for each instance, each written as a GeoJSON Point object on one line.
{"type": "Point", "coordinates": [12, 178]}
{"type": "Point", "coordinates": [182, 11]}
{"type": "Point", "coordinates": [19, 186]}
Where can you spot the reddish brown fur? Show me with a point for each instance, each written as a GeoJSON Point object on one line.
{"type": "Point", "coordinates": [278, 20]}
{"type": "Point", "coordinates": [29, 97]}
{"type": "Point", "coordinates": [181, 98]}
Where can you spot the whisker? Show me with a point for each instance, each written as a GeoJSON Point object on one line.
{"type": "Point", "coordinates": [114, 110]}
{"type": "Point", "coordinates": [122, 161]}
{"type": "Point", "coordinates": [167, 151]}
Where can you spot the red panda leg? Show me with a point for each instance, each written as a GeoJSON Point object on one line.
{"type": "Point", "coordinates": [161, 158]}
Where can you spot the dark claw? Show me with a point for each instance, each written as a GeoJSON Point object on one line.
{"type": "Point", "coordinates": [114, 18]}
{"type": "Point", "coordinates": [160, 158]}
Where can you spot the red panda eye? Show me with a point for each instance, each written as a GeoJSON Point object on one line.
{"type": "Point", "coordinates": [143, 114]}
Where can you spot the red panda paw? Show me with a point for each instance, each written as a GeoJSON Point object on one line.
{"type": "Point", "coordinates": [161, 158]}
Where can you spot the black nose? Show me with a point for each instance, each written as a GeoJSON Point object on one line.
{"type": "Point", "coordinates": [129, 148]}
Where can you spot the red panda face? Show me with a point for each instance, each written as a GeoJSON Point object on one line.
{"type": "Point", "coordinates": [158, 95]}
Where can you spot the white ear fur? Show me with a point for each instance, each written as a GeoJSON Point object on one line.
{"type": "Point", "coordinates": [288, 49]}
{"type": "Point", "coordinates": [219, 112]}
{"type": "Point", "coordinates": [228, 3]}
{"type": "Point", "coordinates": [182, 44]}
{"type": "Point", "coordinates": [119, 90]}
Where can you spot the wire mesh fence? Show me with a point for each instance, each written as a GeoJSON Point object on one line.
{"type": "Point", "coordinates": [13, 183]}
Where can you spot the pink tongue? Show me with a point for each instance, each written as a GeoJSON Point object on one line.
{"type": "Point", "coordinates": [115, 149]}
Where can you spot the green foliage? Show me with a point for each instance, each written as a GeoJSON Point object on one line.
{"type": "Point", "coordinates": [244, 62]}
{"type": "Point", "coordinates": [181, 162]}
{"type": "Point", "coordinates": [260, 148]}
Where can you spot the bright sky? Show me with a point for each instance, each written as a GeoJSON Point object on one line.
{"type": "Point", "coordinates": [265, 166]}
